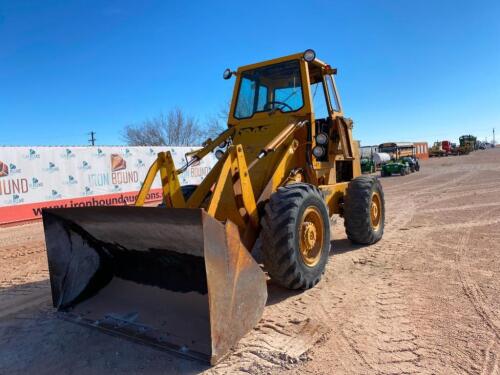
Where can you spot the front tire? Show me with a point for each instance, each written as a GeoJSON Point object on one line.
{"type": "Point", "coordinates": [296, 236]}
{"type": "Point", "coordinates": [364, 210]}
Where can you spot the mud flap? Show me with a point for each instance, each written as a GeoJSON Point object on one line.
{"type": "Point", "coordinates": [174, 278]}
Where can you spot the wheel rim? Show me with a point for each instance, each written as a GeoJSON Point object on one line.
{"type": "Point", "coordinates": [311, 236]}
{"type": "Point", "coordinates": [375, 211]}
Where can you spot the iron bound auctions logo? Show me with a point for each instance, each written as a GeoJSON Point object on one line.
{"type": "Point", "coordinates": [85, 166]}
{"type": "Point", "coordinates": [32, 154]}
{"type": "Point", "coordinates": [51, 168]}
{"type": "Point", "coordinates": [68, 154]}
{"type": "Point", "coordinates": [119, 174]}
{"type": "Point", "coordinates": [117, 163]}
{"type": "Point", "coordinates": [4, 169]}
{"type": "Point", "coordinates": [35, 183]}
{"type": "Point", "coordinates": [87, 191]}
{"type": "Point", "coordinates": [14, 169]}
{"type": "Point", "coordinates": [12, 186]}
{"type": "Point", "coordinates": [100, 153]}
{"type": "Point", "coordinates": [70, 181]}
{"type": "Point", "coordinates": [54, 194]}
{"type": "Point", "coordinates": [15, 199]}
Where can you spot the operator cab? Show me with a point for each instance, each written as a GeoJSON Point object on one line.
{"type": "Point", "coordinates": [271, 88]}
{"type": "Point", "coordinates": [296, 88]}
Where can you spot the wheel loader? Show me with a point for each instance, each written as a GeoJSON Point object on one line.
{"type": "Point", "coordinates": [181, 276]}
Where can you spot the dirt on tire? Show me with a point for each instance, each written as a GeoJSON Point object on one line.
{"type": "Point", "coordinates": [425, 299]}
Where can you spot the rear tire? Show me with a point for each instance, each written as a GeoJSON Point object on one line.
{"type": "Point", "coordinates": [363, 222]}
{"type": "Point", "coordinates": [296, 236]}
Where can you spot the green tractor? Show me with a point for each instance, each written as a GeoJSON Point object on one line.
{"type": "Point", "coordinates": [367, 165]}
{"type": "Point", "coordinates": [395, 167]}
{"type": "Point", "coordinates": [412, 163]}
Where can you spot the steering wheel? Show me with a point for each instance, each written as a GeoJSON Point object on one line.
{"type": "Point", "coordinates": [268, 104]}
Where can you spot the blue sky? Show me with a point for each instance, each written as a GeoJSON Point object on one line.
{"type": "Point", "coordinates": [408, 70]}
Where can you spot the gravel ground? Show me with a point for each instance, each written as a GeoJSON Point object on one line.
{"type": "Point", "coordinates": [425, 299]}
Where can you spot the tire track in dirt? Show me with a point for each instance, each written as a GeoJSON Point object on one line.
{"type": "Point", "coordinates": [23, 268]}
{"type": "Point", "coordinates": [465, 225]}
{"type": "Point", "coordinates": [394, 189]}
{"type": "Point", "coordinates": [473, 292]}
{"type": "Point", "coordinates": [274, 344]}
{"type": "Point", "coordinates": [463, 177]}
{"type": "Point", "coordinates": [387, 343]}
{"type": "Point", "coordinates": [470, 287]}
{"type": "Point", "coordinates": [459, 208]}
{"type": "Point", "coordinates": [490, 364]}
{"type": "Point", "coordinates": [283, 337]}
{"type": "Point", "coordinates": [18, 251]}
{"type": "Point", "coordinates": [437, 198]}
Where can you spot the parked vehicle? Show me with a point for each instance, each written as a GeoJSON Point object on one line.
{"type": "Point", "coordinates": [412, 163]}
{"type": "Point", "coordinates": [367, 165]}
{"type": "Point", "coordinates": [395, 167]}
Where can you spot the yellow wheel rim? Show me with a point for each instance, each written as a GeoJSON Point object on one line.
{"type": "Point", "coordinates": [311, 236]}
{"type": "Point", "coordinates": [376, 211]}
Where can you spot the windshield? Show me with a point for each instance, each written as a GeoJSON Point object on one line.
{"type": "Point", "coordinates": [270, 88]}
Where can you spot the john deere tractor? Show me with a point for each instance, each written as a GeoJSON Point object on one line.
{"type": "Point", "coordinates": [395, 167]}
{"type": "Point", "coordinates": [367, 165]}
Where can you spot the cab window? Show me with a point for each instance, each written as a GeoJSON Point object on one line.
{"type": "Point", "coordinates": [277, 87]}
{"type": "Point", "coordinates": [319, 100]}
{"type": "Point", "coordinates": [332, 93]}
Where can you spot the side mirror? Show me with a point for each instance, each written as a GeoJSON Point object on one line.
{"type": "Point", "coordinates": [227, 73]}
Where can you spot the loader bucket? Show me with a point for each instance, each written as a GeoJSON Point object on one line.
{"type": "Point", "coordinates": [174, 278]}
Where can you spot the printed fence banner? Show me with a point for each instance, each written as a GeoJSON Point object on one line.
{"type": "Point", "coordinates": [32, 178]}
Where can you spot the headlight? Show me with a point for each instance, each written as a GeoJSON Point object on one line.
{"type": "Point", "coordinates": [319, 151]}
{"type": "Point", "coordinates": [322, 138]}
{"type": "Point", "coordinates": [309, 55]}
{"type": "Point", "coordinates": [219, 154]}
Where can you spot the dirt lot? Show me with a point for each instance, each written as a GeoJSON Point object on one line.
{"type": "Point", "coordinates": [425, 299]}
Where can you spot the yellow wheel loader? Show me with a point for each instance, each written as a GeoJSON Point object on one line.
{"type": "Point", "coordinates": [182, 276]}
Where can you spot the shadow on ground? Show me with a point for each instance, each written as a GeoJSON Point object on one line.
{"type": "Point", "coordinates": [343, 246]}
{"type": "Point", "coordinates": [35, 340]}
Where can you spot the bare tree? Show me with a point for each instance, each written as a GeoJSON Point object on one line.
{"type": "Point", "coordinates": [213, 127]}
{"type": "Point", "coordinates": [174, 129]}
{"type": "Point", "coordinates": [217, 123]}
